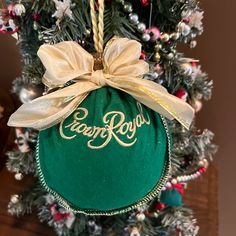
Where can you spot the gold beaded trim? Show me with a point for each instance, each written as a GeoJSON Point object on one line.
{"type": "Point", "coordinates": [154, 193]}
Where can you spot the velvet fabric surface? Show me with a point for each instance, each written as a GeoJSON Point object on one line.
{"type": "Point", "coordinates": [108, 155]}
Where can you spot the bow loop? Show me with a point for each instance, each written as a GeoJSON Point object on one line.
{"type": "Point", "coordinates": [64, 61]}
{"type": "Point", "coordinates": [121, 58]}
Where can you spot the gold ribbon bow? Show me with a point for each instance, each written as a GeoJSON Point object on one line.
{"type": "Point", "coordinates": [122, 70]}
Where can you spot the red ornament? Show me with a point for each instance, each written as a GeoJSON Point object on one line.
{"type": "Point", "coordinates": [194, 63]}
{"type": "Point", "coordinates": [159, 206]}
{"type": "Point", "coordinates": [182, 94]}
{"type": "Point", "coordinates": [178, 229]}
{"type": "Point", "coordinates": [202, 170]}
{"type": "Point", "coordinates": [144, 3]}
{"type": "Point", "coordinates": [186, 20]}
{"type": "Point", "coordinates": [36, 16]}
{"type": "Point", "coordinates": [143, 56]}
{"type": "Point", "coordinates": [179, 188]}
{"type": "Point", "coordinates": [58, 216]}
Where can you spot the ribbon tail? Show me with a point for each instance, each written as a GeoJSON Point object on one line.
{"type": "Point", "coordinates": [157, 98]}
{"type": "Point", "coordinates": [51, 109]}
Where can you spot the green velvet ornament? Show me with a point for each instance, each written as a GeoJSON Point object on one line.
{"type": "Point", "coordinates": [111, 155]}
{"type": "Point", "coordinates": [171, 197]}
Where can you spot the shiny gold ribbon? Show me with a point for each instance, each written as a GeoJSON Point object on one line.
{"type": "Point", "coordinates": [122, 70]}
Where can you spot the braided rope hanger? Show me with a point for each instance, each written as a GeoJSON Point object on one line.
{"type": "Point", "coordinates": [98, 27]}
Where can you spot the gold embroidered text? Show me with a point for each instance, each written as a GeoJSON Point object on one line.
{"type": "Point", "coordinates": [115, 127]}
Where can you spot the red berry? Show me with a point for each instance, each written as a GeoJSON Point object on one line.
{"type": "Point", "coordinates": [144, 3]}
{"type": "Point", "coordinates": [178, 229]}
{"type": "Point", "coordinates": [36, 16]}
{"type": "Point", "coordinates": [182, 94]}
{"type": "Point", "coordinates": [58, 216]}
{"type": "Point", "coordinates": [143, 56]}
{"type": "Point", "coordinates": [202, 170]}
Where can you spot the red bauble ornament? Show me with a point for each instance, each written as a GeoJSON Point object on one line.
{"type": "Point", "coordinates": [202, 170]}
{"type": "Point", "coordinates": [159, 206]}
{"type": "Point", "coordinates": [194, 63]}
{"type": "Point", "coordinates": [182, 94]}
{"type": "Point", "coordinates": [144, 3]}
{"type": "Point", "coordinates": [178, 229]}
{"type": "Point", "coordinates": [143, 55]}
{"type": "Point", "coordinates": [179, 188]}
{"type": "Point", "coordinates": [186, 20]}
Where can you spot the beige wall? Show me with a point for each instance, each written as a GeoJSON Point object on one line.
{"type": "Point", "coordinates": [9, 61]}
{"type": "Point", "coordinates": [216, 51]}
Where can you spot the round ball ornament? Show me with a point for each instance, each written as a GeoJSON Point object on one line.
{"type": "Point", "coordinates": [28, 94]}
{"type": "Point", "coordinates": [146, 37]}
{"type": "Point", "coordinates": [106, 149]}
{"type": "Point", "coordinates": [154, 33]}
{"type": "Point", "coordinates": [102, 156]}
{"type": "Point", "coordinates": [140, 217]}
{"type": "Point", "coordinates": [203, 163]}
{"type": "Point", "coordinates": [165, 37]}
{"type": "Point", "coordinates": [141, 27]}
{"type": "Point", "coordinates": [159, 206]}
{"type": "Point", "coordinates": [182, 94]}
{"type": "Point", "coordinates": [144, 3]}
{"type": "Point", "coordinates": [133, 18]}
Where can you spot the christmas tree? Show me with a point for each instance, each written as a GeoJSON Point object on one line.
{"type": "Point", "coordinates": [159, 25]}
